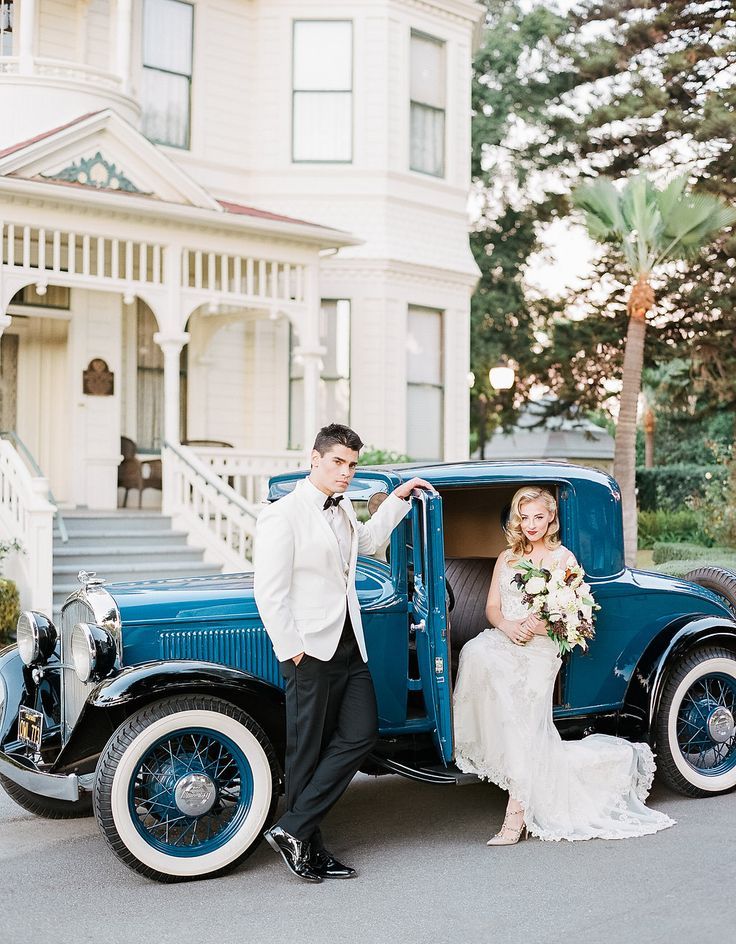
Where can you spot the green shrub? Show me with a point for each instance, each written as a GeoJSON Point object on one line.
{"type": "Point", "coordinates": [373, 456]}
{"type": "Point", "coordinates": [665, 551]}
{"type": "Point", "coordinates": [670, 487]}
{"type": "Point", "coordinates": [673, 527]}
{"type": "Point", "coordinates": [716, 508]}
{"type": "Point", "coordinates": [9, 609]}
{"type": "Point", "coordinates": [679, 568]}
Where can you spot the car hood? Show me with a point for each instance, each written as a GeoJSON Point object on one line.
{"type": "Point", "coordinates": [213, 597]}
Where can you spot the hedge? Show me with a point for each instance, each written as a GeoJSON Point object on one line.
{"type": "Point", "coordinates": [665, 551]}
{"type": "Point", "coordinates": [668, 487]}
{"type": "Point", "coordinates": [679, 568]}
{"type": "Point", "coordinates": [9, 609]}
{"type": "Point", "coordinates": [670, 527]}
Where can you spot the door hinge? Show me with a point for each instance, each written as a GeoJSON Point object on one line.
{"type": "Point", "coordinates": [439, 665]}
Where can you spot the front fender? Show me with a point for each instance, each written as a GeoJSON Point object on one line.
{"type": "Point", "coordinates": [645, 688]}
{"type": "Point", "coordinates": [115, 699]}
{"type": "Point", "coordinates": [13, 690]}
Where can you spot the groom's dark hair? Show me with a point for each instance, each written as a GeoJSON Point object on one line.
{"type": "Point", "coordinates": [337, 435]}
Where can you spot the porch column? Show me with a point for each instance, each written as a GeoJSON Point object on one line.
{"type": "Point", "coordinates": [123, 30]}
{"type": "Point", "coordinates": [171, 345]}
{"type": "Point", "coordinates": [5, 322]}
{"type": "Point", "coordinates": [26, 32]}
{"type": "Point", "coordinates": [312, 360]}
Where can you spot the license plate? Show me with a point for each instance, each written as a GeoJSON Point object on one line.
{"type": "Point", "coordinates": [30, 726]}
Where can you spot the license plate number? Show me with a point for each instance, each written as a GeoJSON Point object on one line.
{"type": "Point", "coordinates": [30, 726]}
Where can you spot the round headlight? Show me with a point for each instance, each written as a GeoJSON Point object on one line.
{"type": "Point", "coordinates": [35, 636]}
{"type": "Point", "coordinates": [93, 651]}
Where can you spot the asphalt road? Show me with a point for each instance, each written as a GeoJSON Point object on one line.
{"type": "Point", "coordinates": [426, 875]}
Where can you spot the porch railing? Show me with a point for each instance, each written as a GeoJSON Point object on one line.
{"type": "Point", "coordinates": [27, 516]}
{"type": "Point", "coordinates": [210, 510]}
{"type": "Point", "coordinates": [37, 473]}
{"type": "Point", "coordinates": [248, 472]}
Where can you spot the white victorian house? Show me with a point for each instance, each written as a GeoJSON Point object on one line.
{"type": "Point", "coordinates": [225, 221]}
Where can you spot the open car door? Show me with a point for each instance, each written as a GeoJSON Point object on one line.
{"type": "Point", "coordinates": [429, 617]}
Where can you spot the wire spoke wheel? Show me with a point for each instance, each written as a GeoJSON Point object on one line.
{"type": "Point", "coordinates": [696, 723]}
{"type": "Point", "coordinates": [185, 787]}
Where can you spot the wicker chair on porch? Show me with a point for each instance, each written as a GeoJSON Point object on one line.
{"type": "Point", "coordinates": [136, 473]}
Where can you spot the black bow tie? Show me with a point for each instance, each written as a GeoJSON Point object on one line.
{"type": "Point", "coordinates": [329, 502]}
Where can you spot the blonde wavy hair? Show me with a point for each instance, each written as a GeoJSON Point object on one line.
{"type": "Point", "coordinates": [518, 544]}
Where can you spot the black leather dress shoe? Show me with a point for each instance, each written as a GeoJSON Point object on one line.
{"type": "Point", "coordinates": [295, 853]}
{"type": "Point", "coordinates": [326, 865]}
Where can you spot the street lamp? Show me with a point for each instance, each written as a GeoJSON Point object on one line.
{"type": "Point", "coordinates": [501, 377]}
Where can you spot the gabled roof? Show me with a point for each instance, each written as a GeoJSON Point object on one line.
{"type": "Point", "coordinates": [102, 155]}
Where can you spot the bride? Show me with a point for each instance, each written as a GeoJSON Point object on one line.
{"type": "Point", "coordinates": [593, 788]}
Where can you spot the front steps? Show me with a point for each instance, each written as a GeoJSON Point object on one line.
{"type": "Point", "coordinates": [123, 545]}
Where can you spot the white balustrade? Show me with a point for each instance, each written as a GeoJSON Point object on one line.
{"type": "Point", "coordinates": [76, 72]}
{"type": "Point", "coordinates": [27, 517]}
{"type": "Point", "coordinates": [248, 472]}
{"type": "Point", "coordinates": [216, 517]}
{"type": "Point", "coordinates": [49, 254]}
{"type": "Point", "coordinates": [242, 278]}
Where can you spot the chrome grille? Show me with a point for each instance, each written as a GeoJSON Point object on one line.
{"type": "Point", "coordinates": [73, 692]}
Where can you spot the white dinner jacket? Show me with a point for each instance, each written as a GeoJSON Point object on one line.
{"type": "Point", "coordinates": [300, 585]}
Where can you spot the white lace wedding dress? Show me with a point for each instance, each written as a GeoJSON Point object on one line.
{"type": "Point", "coordinates": [592, 788]}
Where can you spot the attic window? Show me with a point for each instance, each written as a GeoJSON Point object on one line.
{"type": "Point", "coordinates": [6, 28]}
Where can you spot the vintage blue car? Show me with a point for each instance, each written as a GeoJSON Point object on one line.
{"type": "Point", "coordinates": [160, 705]}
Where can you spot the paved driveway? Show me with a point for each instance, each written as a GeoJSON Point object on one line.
{"type": "Point", "coordinates": [426, 876]}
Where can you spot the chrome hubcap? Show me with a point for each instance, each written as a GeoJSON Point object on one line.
{"type": "Point", "coordinates": [721, 726]}
{"type": "Point", "coordinates": [195, 794]}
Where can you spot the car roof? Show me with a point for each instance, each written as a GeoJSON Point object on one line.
{"type": "Point", "coordinates": [481, 471]}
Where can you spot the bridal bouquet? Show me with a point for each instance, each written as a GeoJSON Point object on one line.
{"type": "Point", "coordinates": [562, 598]}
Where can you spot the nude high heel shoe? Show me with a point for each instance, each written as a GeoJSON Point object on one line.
{"type": "Point", "coordinates": [509, 835]}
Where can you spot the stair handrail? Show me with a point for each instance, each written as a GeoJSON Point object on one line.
{"type": "Point", "coordinates": [210, 508]}
{"type": "Point", "coordinates": [28, 517]}
{"type": "Point", "coordinates": [20, 446]}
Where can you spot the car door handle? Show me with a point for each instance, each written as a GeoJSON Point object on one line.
{"type": "Point", "coordinates": [419, 627]}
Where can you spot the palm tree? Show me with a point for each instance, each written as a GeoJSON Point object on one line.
{"type": "Point", "coordinates": [649, 227]}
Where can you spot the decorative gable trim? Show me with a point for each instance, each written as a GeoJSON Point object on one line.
{"type": "Point", "coordinates": [50, 155]}
{"type": "Point", "coordinates": [95, 172]}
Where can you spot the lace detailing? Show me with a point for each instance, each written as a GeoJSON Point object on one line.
{"type": "Point", "coordinates": [573, 790]}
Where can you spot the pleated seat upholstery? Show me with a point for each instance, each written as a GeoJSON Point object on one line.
{"type": "Point", "coordinates": [470, 579]}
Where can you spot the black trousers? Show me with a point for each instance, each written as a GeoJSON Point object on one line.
{"type": "Point", "coordinates": [331, 725]}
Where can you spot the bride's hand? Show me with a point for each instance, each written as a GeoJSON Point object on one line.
{"type": "Point", "coordinates": [517, 632]}
{"type": "Point", "coordinates": [534, 624]}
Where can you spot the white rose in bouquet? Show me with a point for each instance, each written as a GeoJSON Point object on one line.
{"type": "Point", "coordinates": [535, 585]}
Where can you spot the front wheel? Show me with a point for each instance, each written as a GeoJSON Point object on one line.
{"type": "Point", "coordinates": [185, 787]}
{"type": "Point", "coordinates": [696, 724]}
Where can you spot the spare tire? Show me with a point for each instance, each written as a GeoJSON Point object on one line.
{"type": "Point", "coordinates": [719, 580]}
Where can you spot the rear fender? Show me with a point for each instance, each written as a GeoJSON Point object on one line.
{"type": "Point", "coordinates": [647, 682]}
{"type": "Point", "coordinates": [117, 698]}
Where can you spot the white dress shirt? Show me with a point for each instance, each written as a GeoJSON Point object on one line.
{"type": "Point", "coordinates": [338, 522]}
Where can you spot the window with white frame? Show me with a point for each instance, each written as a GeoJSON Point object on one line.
{"type": "Point", "coordinates": [425, 389]}
{"type": "Point", "coordinates": [167, 71]}
{"type": "Point", "coordinates": [334, 388]}
{"type": "Point", "coordinates": [427, 105]}
{"type": "Point", "coordinates": [322, 106]}
{"type": "Point", "coordinates": [7, 8]}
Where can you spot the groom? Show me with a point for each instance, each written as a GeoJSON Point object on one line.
{"type": "Point", "coordinates": [307, 547]}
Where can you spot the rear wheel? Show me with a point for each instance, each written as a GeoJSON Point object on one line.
{"type": "Point", "coordinates": [48, 807]}
{"type": "Point", "coordinates": [696, 724]}
{"type": "Point", "coordinates": [185, 788]}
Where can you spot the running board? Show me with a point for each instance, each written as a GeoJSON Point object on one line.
{"type": "Point", "coordinates": [414, 773]}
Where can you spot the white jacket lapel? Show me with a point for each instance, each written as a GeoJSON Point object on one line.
{"type": "Point", "coordinates": [323, 526]}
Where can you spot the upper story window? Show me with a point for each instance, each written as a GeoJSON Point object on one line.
{"type": "Point", "coordinates": [322, 115]}
{"type": "Point", "coordinates": [167, 71]}
{"type": "Point", "coordinates": [425, 386]}
{"type": "Point", "coordinates": [6, 27]}
{"type": "Point", "coordinates": [427, 107]}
